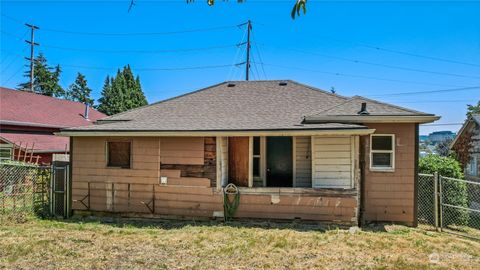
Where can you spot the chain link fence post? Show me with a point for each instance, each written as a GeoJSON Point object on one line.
{"type": "Point", "coordinates": [435, 200]}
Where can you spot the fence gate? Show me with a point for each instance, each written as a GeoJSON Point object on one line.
{"type": "Point", "coordinates": [60, 190]}
{"type": "Point", "coordinates": [449, 204]}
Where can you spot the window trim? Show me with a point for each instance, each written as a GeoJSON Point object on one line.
{"type": "Point", "coordinates": [382, 169]}
{"type": "Point", "coordinates": [472, 168]}
{"type": "Point", "coordinates": [130, 166]}
{"type": "Point", "coordinates": [9, 147]}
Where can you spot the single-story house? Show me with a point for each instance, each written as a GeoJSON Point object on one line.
{"type": "Point", "coordinates": [467, 147]}
{"type": "Point", "coordinates": [28, 122]}
{"type": "Point", "coordinates": [293, 151]}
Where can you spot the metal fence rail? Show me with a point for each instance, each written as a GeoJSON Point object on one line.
{"type": "Point", "coordinates": [426, 200]}
{"type": "Point", "coordinates": [449, 204]}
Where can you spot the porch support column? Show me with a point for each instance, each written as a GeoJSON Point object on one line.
{"type": "Point", "coordinates": [219, 157]}
{"type": "Point", "coordinates": [250, 161]}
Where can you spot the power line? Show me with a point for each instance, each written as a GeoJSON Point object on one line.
{"type": "Point", "coordinates": [408, 53]}
{"type": "Point", "coordinates": [429, 91]}
{"type": "Point", "coordinates": [14, 59]}
{"type": "Point", "coordinates": [436, 101]}
{"type": "Point", "coordinates": [357, 76]}
{"type": "Point", "coordinates": [13, 75]}
{"type": "Point", "coordinates": [206, 29]}
{"type": "Point", "coordinates": [379, 48]}
{"type": "Point", "coordinates": [378, 64]}
{"type": "Point", "coordinates": [140, 51]}
{"type": "Point", "coordinates": [152, 69]}
{"type": "Point", "coordinates": [259, 56]}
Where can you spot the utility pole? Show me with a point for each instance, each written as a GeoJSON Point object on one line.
{"type": "Point", "coordinates": [32, 54]}
{"type": "Point", "coordinates": [247, 70]}
{"type": "Point", "coordinates": [247, 61]}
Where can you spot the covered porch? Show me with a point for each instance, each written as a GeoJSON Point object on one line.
{"type": "Point", "coordinates": [289, 163]}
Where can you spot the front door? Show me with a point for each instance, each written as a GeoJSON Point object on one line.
{"type": "Point", "coordinates": [279, 162]}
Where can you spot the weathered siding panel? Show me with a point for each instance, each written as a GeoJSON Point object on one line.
{"type": "Point", "coordinates": [303, 162]}
{"type": "Point", "coordinates": [185, 151]}
{"type": "Point", "coordinates": [389, 196]}
{"type": "Point", "coordinates": [89, 161]}
{"type": "Point", "coordinates": [333, 159]}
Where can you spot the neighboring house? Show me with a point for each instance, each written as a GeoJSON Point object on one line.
{"type": "Point", "coordinates": [28, 122]}
{"type": "Point", "coordinates": [294, 151]}
{"type": "Point", "coordinates": [440, 136]}
{"type": "Point", "coordinates": [467, 147]}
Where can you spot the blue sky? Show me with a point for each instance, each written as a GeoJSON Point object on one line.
{"type": "Point", "coordinates": [334, 45]}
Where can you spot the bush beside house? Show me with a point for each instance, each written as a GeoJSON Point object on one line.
{"type": "Point", "coordinates": [454, 192]}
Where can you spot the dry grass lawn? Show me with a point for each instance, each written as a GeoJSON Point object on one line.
{"type": "Point", "coordinates": [128, 244]}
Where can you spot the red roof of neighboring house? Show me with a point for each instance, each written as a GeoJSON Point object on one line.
{"type": "Point", "coordinates": [41, 142]}
{"type": "Point", "coordinates": [26, 108]}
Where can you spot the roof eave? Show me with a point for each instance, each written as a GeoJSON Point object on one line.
{"type": "Point", "coordinates": [420, 119]}
{"type": "Point", "coordinates": [304, 132]}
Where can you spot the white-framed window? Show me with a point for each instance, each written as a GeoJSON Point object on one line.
{"type": "Point", "coordinates": [5, 152]}
{"type": "Point", "coordinates": [472, 168]}
{"type": "Point", "coordinates": [382, 152]}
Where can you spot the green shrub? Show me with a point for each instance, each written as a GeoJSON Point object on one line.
{"type": "Point", "coordinates": [454, 192]}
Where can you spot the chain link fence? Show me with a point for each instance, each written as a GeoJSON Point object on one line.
{"type": "Point", "coordinates": [23, 191]}
{"type": "Point", "coordinates": [426, 194]}
{"type": "Point", "coordinates": [449, 204]}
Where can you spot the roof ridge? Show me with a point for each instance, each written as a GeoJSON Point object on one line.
{"type": "Point", "coordinates": [162, 101]}
{"type": "Point", "coordinates": [334, 106]}
{"type": "Point", "coordinates": [385, 103]}
{"type": "Point", "coordinates": [40, 95]}
{"type": "Point", "coordinates": [318, 89]}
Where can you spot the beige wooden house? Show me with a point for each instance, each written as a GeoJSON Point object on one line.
{"type": "Point", "coordinates": [294, 151]}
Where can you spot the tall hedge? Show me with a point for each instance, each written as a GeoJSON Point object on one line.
{"type": "Point", "coordinates": [454, 192]}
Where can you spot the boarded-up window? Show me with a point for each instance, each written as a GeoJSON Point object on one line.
{"type": "Point", "coordinates": [119, 154]}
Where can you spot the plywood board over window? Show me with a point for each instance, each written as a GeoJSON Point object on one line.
{"type": "Point", "coordinates": [238, 157]}
{"type": "Point", "coordinates": [119, 154]}
{"type": "Point", "coordinates": [185, 151]}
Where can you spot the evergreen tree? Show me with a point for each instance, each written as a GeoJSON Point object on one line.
{"type": "Point", "coordinates": [45, 78]}
{"type": "Point", "coordinates": [121, 93]}
{"type": "Point", "coordinates": [473, 109]}
{"type": "Point", "coordinates": [79, 91]}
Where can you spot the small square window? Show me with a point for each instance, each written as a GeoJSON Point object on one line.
{"type": "Point", "coordinates": [5, 154]}
{"type": "Point", "coordinates": [382, 152]}
{"type": "Point", "coordinates": [118, 154]}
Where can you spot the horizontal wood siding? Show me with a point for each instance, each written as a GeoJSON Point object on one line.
{"type": "Point", "coordinates": [332, 162]}
{"type": "Point", "coordinates": [181, 201]}
{"type": "Point", "coordinates": [89, 161]}
{"type": "Point", "coordinates": [185, 151]}
{"type": "Point", "coordinates": [389, 196]}
{"type": "Point", "coordinates": [303, 162]}
{"type": "Point", "coordinates": [188, 193]}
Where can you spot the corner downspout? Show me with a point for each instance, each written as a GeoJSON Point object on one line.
{"type": "Point", "coordinates": [415, 178]}
{"type": "Point", "coordinates": [361, 217]}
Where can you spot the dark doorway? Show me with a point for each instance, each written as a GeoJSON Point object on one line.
{"type": "Point", "coordinates": [279, 162]}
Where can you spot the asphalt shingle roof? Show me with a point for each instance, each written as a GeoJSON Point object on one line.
{"type": "Point", "coordinates": [35, 109]}
{"type": "Point", "coordinates": [237, 105]}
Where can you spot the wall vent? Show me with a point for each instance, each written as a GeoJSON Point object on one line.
{"type": "Point", "coordinates": [231, 85]}
{"type": "Point", "coordinates": [282, 83]}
